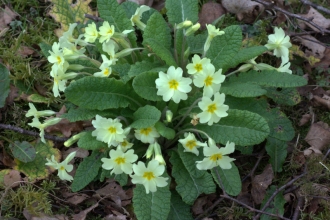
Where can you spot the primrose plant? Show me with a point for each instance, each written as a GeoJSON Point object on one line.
{"type": "Point", "coordinates": [163, 104]}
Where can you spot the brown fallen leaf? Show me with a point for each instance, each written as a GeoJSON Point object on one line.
{"type": "Point", "coordinates": [80, 152]}
{"type": "Point", "coordinates": [114, 191]}
{"type": "Point", "coordinates": [321, 101]}
{"type": "Point", "coordinates": [313, 46]}
{"type": "Point", "coordinates": [304, 119]}
{"type": "Point", "coordinates": [12, 178]}
{"type": "Point", "coordinates": [13, 93]}
{"type": "Point", "coordinates": [7, 15]}
{"type": "Point", "coordinates": [318, 19]}
{"type": "Point", "coordinates": [199, 203]}
{"type": "Point", "coordinates": [209, 12]}
{"type": "Point", "coordinates": [42, 216]}
{"type": "Point", "coordinates": [82, 215]}
{"type": "Point", "coordinates": [25, 51]}
{"type": "Point", "coordinates": [245, 10]}
{"type": "Point", "coordinates": [260, 184]}
{"type": "Point", "coordinates": [317, 137]}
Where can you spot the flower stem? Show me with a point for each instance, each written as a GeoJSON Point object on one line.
{"type": "Point", "coordinates": [187, 113]}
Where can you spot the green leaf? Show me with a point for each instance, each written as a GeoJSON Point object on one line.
{"type": "Point", "coordinates": [120, 178]}
{"type": "Point", "coordinates": [179, 209]}
{"type": "Point", "coordinates": [283, 96]}
{"type": "Point", "coordinates": [277, 150]}
{"type": "Point", "coordinates": [162, 52]}
{"type": "Point", "coordinates": [247, 150]}
{"type": "Point", "coordinates": [87, 171]}
{"type": "Point", "coordinates": [270, 78]}
{"type": "Point", "coordinates": [230, 179]}
{"type": "Point", "coordinates": [276, 206]}
{"type": "Point", "coordinates": [88, 142]}
{"type": "Point", "coordinates": [241, 127]}
{"type": "Point", "coordinates": [153, 205]}
{"type": "Point", "coordinates": [224, 48]}
{"type": "Point", "coordinates": [100, 93]}
{"type": "Point", "coordinates": [164, 131]}
{"type": "Point", "coordinates": [114, 13]}
{"type": "Point", "coordinates": [122, 70]}
{"type": "Point", "coordinates": [249, 53]}
{"type": "Point", "coordinates": [181, 10]}
{"type": "Point", "coordinates": [90, 66]}
{"type": "Point", "coordinates": [45, 48]}
{"type": "Point", "coordinates": [144, 85]}
{"type": "Point", "coordinates": [196, 42]}
{"type": "Point", "coordinates": [36, 169]}
{"type": "Point", "coordinates": [145, 117]}
{"type": "Point", "coordinates": [188, 186]}
{"type": "Point", "coordinates": [23, 151]}
{"type": "Point", "coordinates": [145, 66]}
{"type": "Point", "coordinates": [189, 161]}
{"type": "Point", "coordinates": [81, 114]}
{"type": "Point", "coordinates": [242, 89]}
{"type": "Point", "coordinates": [4, 84]}
{"type": "Point", "coordinates": [157, 24]}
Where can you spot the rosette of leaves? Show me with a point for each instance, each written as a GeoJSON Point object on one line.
{"type": "Point", "coordinates": [132, 93]}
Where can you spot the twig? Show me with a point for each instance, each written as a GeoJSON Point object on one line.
{"type": "Point", "coordinates": [253, 209]}
{"type": "Point", "coordinates": [276, 192]}
{"type": "Point", "coordinates": [306, 2]}
{"type": "Point", "coordinates": [94, 18]}
{"type": "Point", "coordinates": [32, 133]}
{"type": "Point", "coordinates": [297, 209]}
{"type": "Point", "coordinates": [251, 173]}
{"type": "Point", "coordinates": [308, 20]}
{"type": "Point", "coordinates": [209, 208]}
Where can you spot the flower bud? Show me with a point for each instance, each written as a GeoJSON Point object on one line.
{"type": "Point", "coordinates": [158, 154]}
{"type": "Point", "coordinates": [192, 29]}
{"type": "Point", "coordinates": [169, 116]}
{"type": "Point", "coordinates": [73, 139]}
{"type": "Point", "coordinates": [150, 151]}
{"type": "Point", "coordinates": [184, 24]}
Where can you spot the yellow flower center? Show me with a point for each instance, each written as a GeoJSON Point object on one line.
{"type": "Point", "coordinates": [211, 108]}
{"type": "Point", "coordinates": [112, 130]}
{"type": "Point", "coordinates": [216, 157]}
{"type": "Point", "coordinates": [62, 168]}
{"type": "Point", "coordinates": [56, 80]}
{"type": "Point", "coordinates": [145, 131]}
{"type": "Point", "coordinates": [191, 144]}
{"type": "Point", "coordinates": [124, 143]}
{"type": "Point", "coordinates": [59, 60]}
{"type": "Point", "coordinates": [173, 84]}
{"type": "Point", "coordinates": [109, 31]}
{"type": "Point", "coordinates": [208, 81]}
{"type": "Point", "coordinates": [120, 160]}
{"type": "Point", "coordinates": [106, 72]}
{"type": "Point", "coordinates": [198, 67]}
{"type": "Point", "coordinates": [148, 175]}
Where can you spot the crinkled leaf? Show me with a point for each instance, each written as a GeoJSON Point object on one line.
{"type": "Point", "coordinates": [271, 78]}
{"type": "Point", "coordinates": [144, 85]}
{"type": "Point", "coordinates": [45, 48]}
{"type": "Point", "coordinates": [179, 209]}
{"type": "Point", "coordinates": [242, 89]}
{"type": "Point", "coordinates": [230, 179]}
{"type": "Point", "coordinates": [87, 171]}
{"type": "Point", "coordinates": [153, 205]}
{"type": "Point", "coordinates": [283, 96]}
{"type": "Point", "coordinates": [181, 10]}
{"type": "Point", "coordinates": [122, 70]}
{"type": "Point", "coordinates": [224, 48]}
{"type": "Point", "coordinates": [189, 161]}
{"type": "Point", "coordinates": [164, 131]}
{"type": "Point", "coordinates": [162, 52]}
{"type": "Point", "coordinates": [145, 117]}
{"type": "Point", "coordinates": [100, 93]}
{"type": "Point", "coordinates": [4, 84]}
{"type": "Point", "coordinates": [188, 186]}
{"type": "Point", "coordinates": [276, 206]}
{"type": "Point", "coordinates": [81, 114]}
{"type": "Point", "coordinates": [277, 150]}
{"type": "Point", "coordinates": [157, 24]}
{"type": "Point", "coordinates": [36, 169]}
{"type": "Point", "coordinates": [249, 53]}
{"type": "Point", "coordinates": [89, 142]}
{"type": "Point", "coordinates": [145, 66]}
{"type": "Point", "coordinates": [23, 151]}
{"type": "Point", "coordinates": [66, 12]}
{"type": "Point", "coordinates": [240, 127]}
{"type": "Point", "coordinates": [247, 150]}
{"type": "Point", "coordinates": [114, 13]}
{"type": "Point", "coordinates": [196, 42]}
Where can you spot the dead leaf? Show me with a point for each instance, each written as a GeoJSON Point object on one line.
{"type": "Point", "coordinates": [318, 19]}
{"type": "Point", "coordinates": [42, 216]}
{"type": "Point", "coordinates": [12, 178]}
{"type": "Point", "coordinates": [325, 61]}
{"type": "Point", "coordinates": [82, 215]}
{"type": "Point", "coordinates": [313, 46]}
{"type": "Point", "coordinates": [80, 152]}
{"type": "Point", "coordinates": [113, 217]}
{"type": "Point", "coordinates": [304, 119]}
{"type": "Point", "coordinates": [114, 191]}
{"type": "Point", "coordinates": [197, 208]}
{"type": "Point", "coordinates": [76, 199]}
{"type": "Point", "coordinates": [245, 10]}
{"type": "Point", "coordinates": [322, 101]}
{"type": "Point", "coordinates": [209, 12]}
{"type": "Point", "coordinates": [7, 15]}
{"type": "Point", "coordinates": [318, 137]}
{"type": "Point", "coordinates": [25, 51]}
{"type": "Point", "coordinates": [260, 184]}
